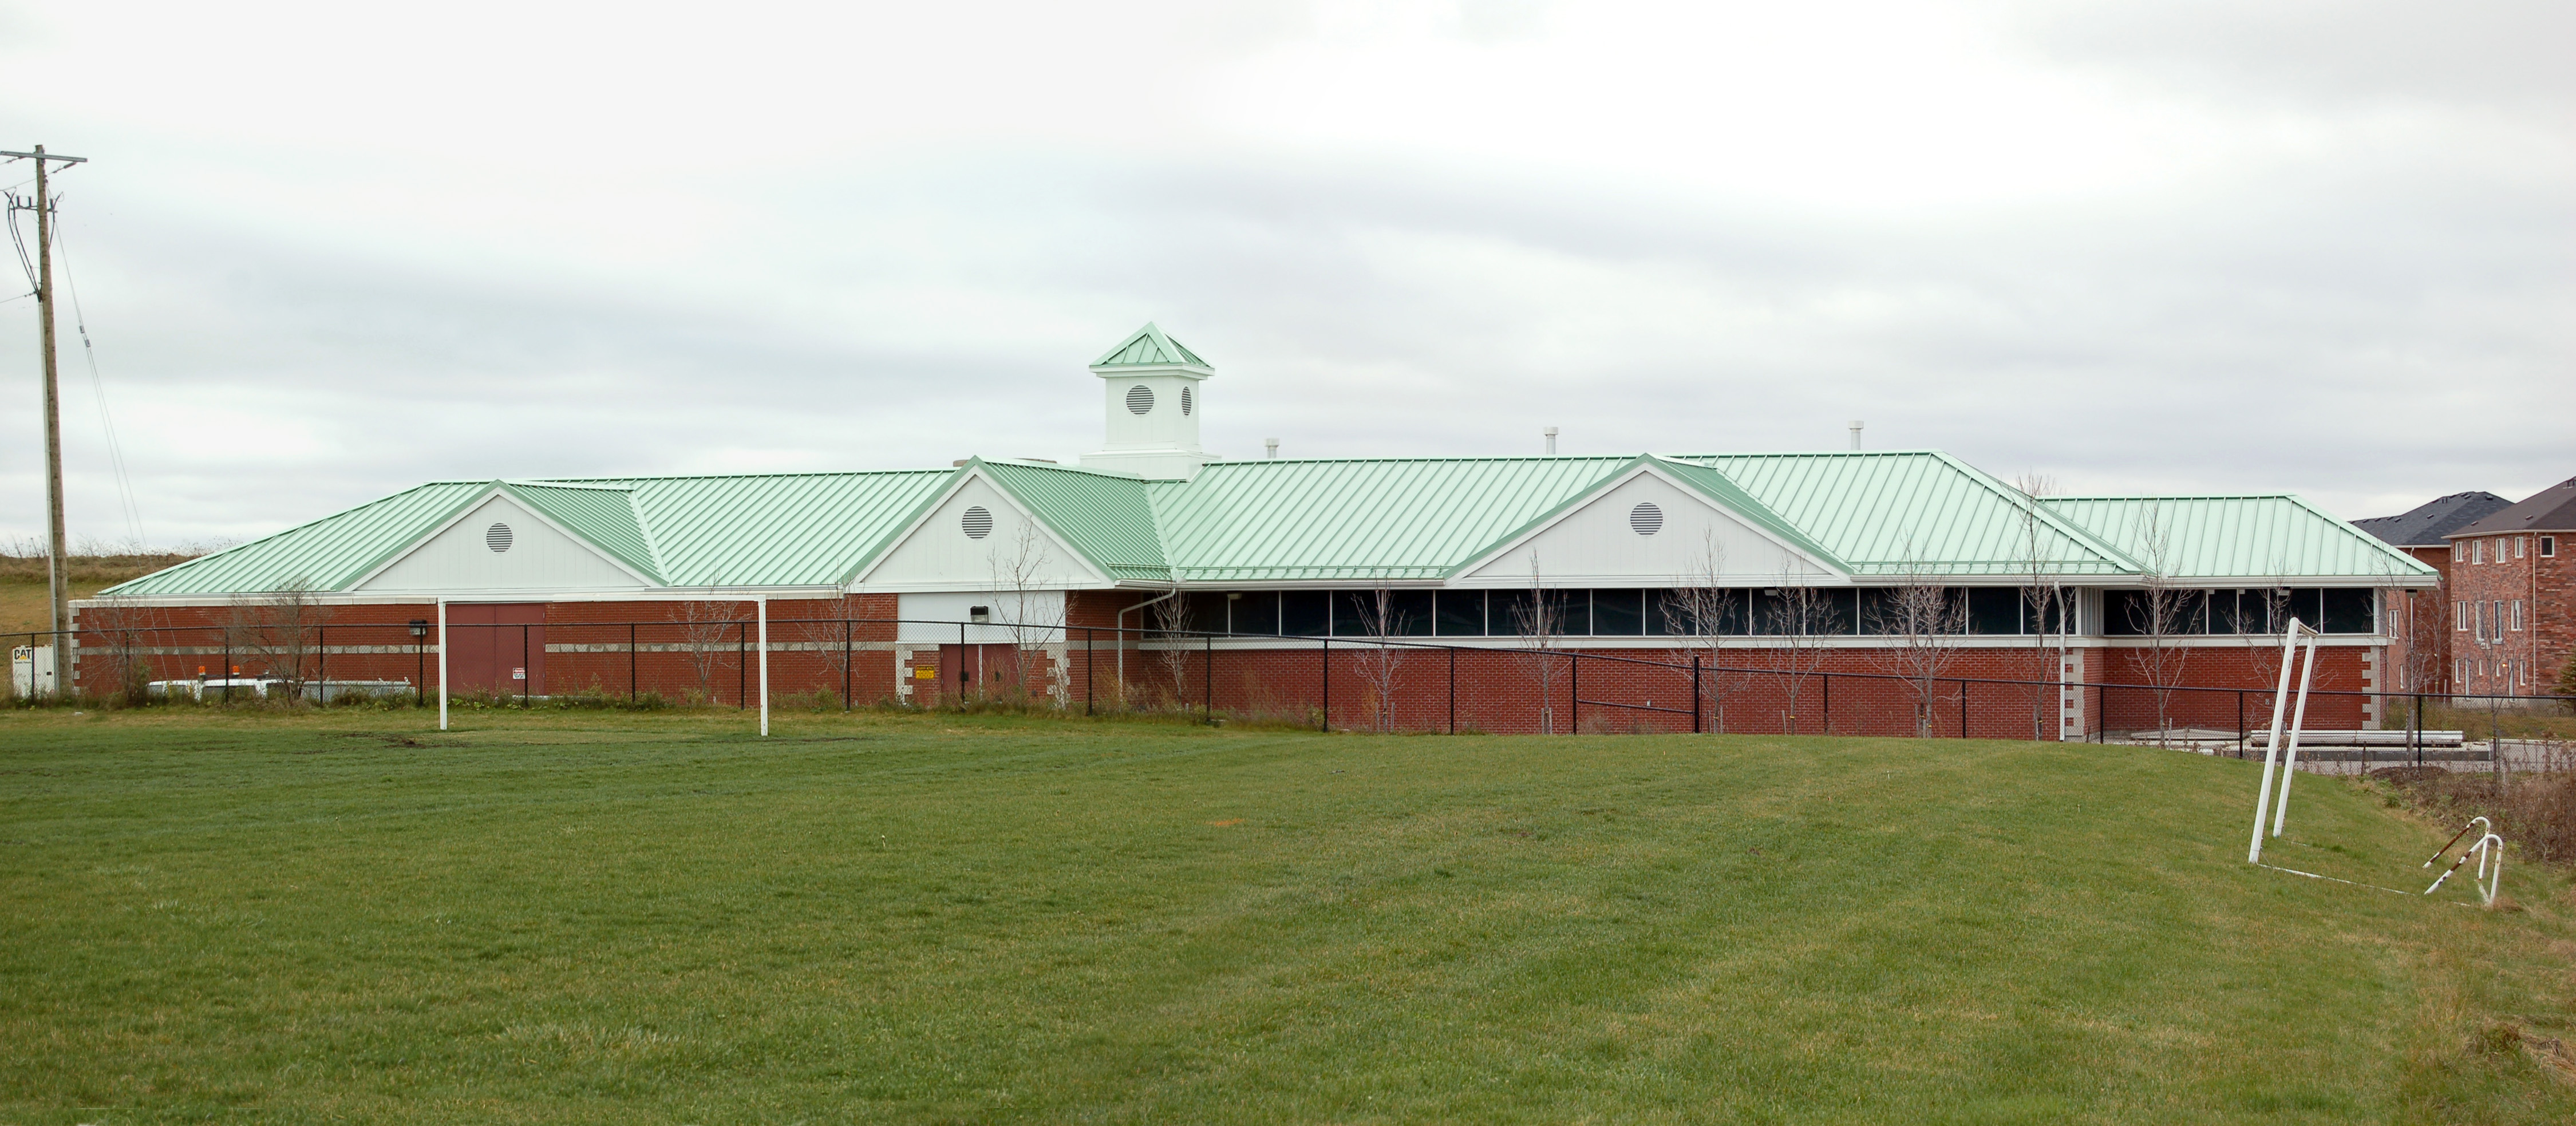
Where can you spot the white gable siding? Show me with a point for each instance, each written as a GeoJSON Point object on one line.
{"type": "Point", "coordinates": [939, 555]}
{"type": "Point", "coordinates": [539, 559]}
{"type": "Point", "coordinates": [1596, 546]}
{"type": "Point", "coordinates": [925, 617]}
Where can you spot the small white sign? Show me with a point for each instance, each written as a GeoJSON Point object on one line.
{"type": "Point", "coordinates": [518, 674]}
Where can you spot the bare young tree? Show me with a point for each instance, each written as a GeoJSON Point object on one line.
{"type": "Point", "coordinates": [2043, 598]}
{"type": "Point", "coordinates": [706, 630]}
{"type": "Point", "coordinates": [1541, 622]}
{"type": "Point", "coordinates": [1030, 618]}
{"type": "Point", "coordinates": [1705, 606]}
{"type": "Point", "coordinates": [1803, 619]}
{"type": "Point", "coordinates": [829, 640]}
{"type": "Point", "coordinates": [116, 652]}
{"type": "Point", "coordinates": [279, 630]}
{"type": "Point", "coordinates": [1379, 664]}
{"type": "Point", "coordinates": [1922, 622]}
{"type": "Point", "coordinates": [1173, 623]}
{"type": "Point", "coordinates": [2160, 611]}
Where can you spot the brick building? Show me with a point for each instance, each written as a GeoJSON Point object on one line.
{"type": "Point", "coordinates": [2419, 620]}
{"type": "Point", "coordinates": [1810, 580]}
{"type": "Point", "coordinates": [2513, 596]}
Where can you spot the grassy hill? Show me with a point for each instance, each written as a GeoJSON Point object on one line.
{"type": "Point", "coordinates": [657, 919]}
{"type": "Point", "coordinates": [22, 583]}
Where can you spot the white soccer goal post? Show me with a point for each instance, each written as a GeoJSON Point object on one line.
{"type": "Point", "coordinates": [2264, 805]}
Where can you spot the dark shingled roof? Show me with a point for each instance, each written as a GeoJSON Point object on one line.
{"type": "Point", "coordinates": [2426, 523]}
{"type": "Point", "coordinates": [2550, 510]}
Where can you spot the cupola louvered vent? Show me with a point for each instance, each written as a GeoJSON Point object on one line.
{"type": "Point", "coordinates": [1185, 399]}
{"type": "Point", "coordinates": [978, 522]}
{"type": "Point", "coordinates": [497, 537]}
{"type": "Point", "coordinates": [1646, 519]}
{"type": "Point", "coordinates": [1140, 399]}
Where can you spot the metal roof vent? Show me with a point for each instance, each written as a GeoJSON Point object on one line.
{"type": "Point", "coordinates": [1185, 398]}
{"type": "Point", "coordinates": [1646, 519]}
{"type": "Point", "coordinates": [978, 522]}
{"type": "Point", "coordinates": [1140, 399]}
{"type": "Point", "coordinates": [497, 537]}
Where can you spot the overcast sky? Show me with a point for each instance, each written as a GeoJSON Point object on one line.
{"type": "Point", "coordinates": [326, 252]}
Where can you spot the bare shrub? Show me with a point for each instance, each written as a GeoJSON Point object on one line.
{"type": "Point", "coordinates": [280, 632]}
{"type": "Point", "coordinates": [1379, 664]}
{"type": "Point", "coordinates": [706, 630]}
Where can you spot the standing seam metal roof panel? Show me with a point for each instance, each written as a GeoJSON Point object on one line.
{"type": "Point", "coordinates": [2237, 537]}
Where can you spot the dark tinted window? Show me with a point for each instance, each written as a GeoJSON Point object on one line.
{"type": "Point", "coordinates": [1255, 611]}
{"type": "Point", "coordinates": [2347, 611]}
{"type": "Point", "coordinates": [2059, 602]}
{"type": "Point", "coordinates": [1405, 613]}
{"type": "Point", "coordinates": [1507, 613]}
{"type": "Point", "coordinates": [1304, 613]}
{"type": "Point", "coordinates": [1673, 612]}
{"type": "Point", "coordinates": [1618, 613]}
{"type": "Point", "coordinates": [1995, 610]}
{"type": "Point", "coordinates": [1207, 612]}
{"type": "Point", "coordinates": [1462, 613]}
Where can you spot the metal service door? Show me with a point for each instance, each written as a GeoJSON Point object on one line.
{"type": "Point", "coordinates": [497, 647]}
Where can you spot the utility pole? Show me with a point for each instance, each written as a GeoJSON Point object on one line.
{"type": "Point", "coordinates": [57, 565]}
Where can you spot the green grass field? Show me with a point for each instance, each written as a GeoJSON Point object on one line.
{"type": "Point", "coordinates": [654, 918]}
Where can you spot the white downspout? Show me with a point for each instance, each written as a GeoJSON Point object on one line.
{"type": "Point", "coordinates": [442, 664]}
{"type": "Point", "coordinates": [760, 607]}
{"type": "Point", "coordinates": [1122, 636]}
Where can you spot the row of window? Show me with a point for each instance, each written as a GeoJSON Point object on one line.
{"type": "Point", "coordinates": [2142, 613]}
{"type": "Point", "coordinates": [2519, 544]}
{"type": "Point", "coordinates": [1748, 612]}
{"type": "Point", "coordinates": [2516, 674]}
{"type": "Point", "coordinates": [2491, 618]}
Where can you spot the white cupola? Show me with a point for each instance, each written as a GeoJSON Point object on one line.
{"type": "Point", "coordinates": [1150, 391]}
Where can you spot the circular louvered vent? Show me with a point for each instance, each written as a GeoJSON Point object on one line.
{"type": "Point", "coordinates": [1140, 399]}
{"type": "Point", "coordinates": [1185, 399]}
{"type": "Point", "coordinates": [1646, 519]}
{"type": "Point", "coordinates": [497, 537]}
{"type": "Point", "coordinates": [978, 522]}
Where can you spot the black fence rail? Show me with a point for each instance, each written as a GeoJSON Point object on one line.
{"type": "Point", "coordinates": [1389, 683]}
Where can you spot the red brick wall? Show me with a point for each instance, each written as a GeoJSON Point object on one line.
{"type": "Point", "coordinates": [1500, 690]}
{"type": "Point", "coordinates": [2501, 659]}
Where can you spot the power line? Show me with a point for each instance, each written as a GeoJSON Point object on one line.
{"type": "Point", "coordinates": [98, 386]}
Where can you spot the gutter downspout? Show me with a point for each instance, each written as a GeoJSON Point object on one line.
{"type": "Point", "coordinates": [1122, 636]}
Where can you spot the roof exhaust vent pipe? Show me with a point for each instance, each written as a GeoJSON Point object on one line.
{"type": "Point", "coordinates": [1551, 441]}
{"type": "Point", "coordinates": [1270, 449]}
{"type": "Point", "coordinates": [1855, 428]}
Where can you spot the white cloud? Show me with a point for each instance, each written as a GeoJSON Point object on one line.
{"type": "Point", "coordinates": [328, 252]}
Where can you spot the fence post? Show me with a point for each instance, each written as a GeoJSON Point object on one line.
{"type": "Point", "coordinates": [1327, 651]}
{"type": "Point", "coordinates": [1207, 679]}
{"type": "Point", "coordinates": [322, 663]}
{"type": "Point", "coordinates": [1453, 689]}
{"type": "Point", "coordinates": [2416, 736]}
{"type": "Point", "coordinates": [1694, 693]}
{"type": "Point", "coordinates": [1825, 721]}
{"type": "Point", "coordinates": [227, 667]}
{"type": "Point", "coordinates": [1090, 669]}
{"type": "Point", "coordinates": [2240, 723]}
{"type": "Point", "coordinates": [525, 677]}
{"type": "Point", "coordinates": [846, 626]}
{"type": "Point", "coordinates": [1963, 709]}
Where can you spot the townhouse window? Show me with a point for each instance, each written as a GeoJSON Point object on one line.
{"type": "Point", "coordinates": [2548, 546]}
{"type": "Point", "coordinates": [2460, 671]}
{"type": "Point", "coordinates": [2520, 544]}
{"type": "Point", "coordinates": [2477, 551]}
{"type": "Point", "coordinates": [2517, 615]}
{"type": "Point", "coordinates": [2460, 617]}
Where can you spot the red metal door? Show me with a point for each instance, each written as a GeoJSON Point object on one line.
{"type": "Point", "coordinates": [497, 647]}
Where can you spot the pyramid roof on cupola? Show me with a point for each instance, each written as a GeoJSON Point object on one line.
{"type": "Point", "coordinates": [1149, 347]}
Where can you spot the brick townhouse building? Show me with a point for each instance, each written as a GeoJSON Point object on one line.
{"type": "Point", "coordinates": [2513, 596]}
{"type": "Point", "coordinates": [2419, 621]}
{"type": "Point", "coordinates": [1285, 575]}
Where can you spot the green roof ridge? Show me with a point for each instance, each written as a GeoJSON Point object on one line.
{"type": "Point", "coordinates": [1149, 347]}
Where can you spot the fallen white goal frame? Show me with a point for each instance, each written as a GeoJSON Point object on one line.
{"type": "Point", "coordinates": [2264, 805]}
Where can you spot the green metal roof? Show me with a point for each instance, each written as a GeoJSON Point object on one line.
{"type": "Point", "coordinates": [1896, 512]}
{"type": "Point", "coordinates": [602, 514]}
{"type": "Point", "coordinates": [1867, 514]}
{"type": "Point", "coordinates": [1105, 516]}
{"type": "Point", "coordinates": [1148, 347]}
{"type": "Point", "coordinates": [2274, 537]}
{"type": "Point", "coordinates": [1397, 519]}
